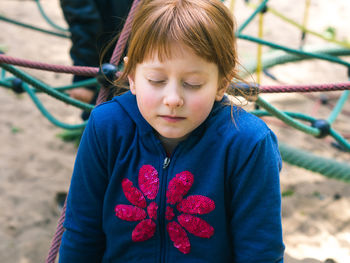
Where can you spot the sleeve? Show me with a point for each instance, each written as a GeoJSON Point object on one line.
{"type": "Point", "coordinates": [84, 240]}
{"type": "Point", "coordinates": [255, 224]}
{"type": "Point", "coordinates": [85, 25]}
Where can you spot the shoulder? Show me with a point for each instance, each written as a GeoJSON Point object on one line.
{"type": "Point", "coordinates": [234, 123]}
{"type": "Point", "coordinates": [110, 120]}
{"type": "Point", "coordinates": [242, 135]}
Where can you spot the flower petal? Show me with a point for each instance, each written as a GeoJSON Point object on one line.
{"type": "Point", "coordinates": [152, 210]}
{"type": "Point", "coordinates": [196, 225]}
{"type": "Point", "coordinates": [169, 213]}
{"type": "Point", "coordinates": [149, 181]}
{"type": "Point", "coordinates": [179, 237]}
{"type": "Point", "coordinates": [178, 187]}
{"type": "Point", "coordinates": [144, 230]}
{"type": "Point", "coordinates": [196, 204]}
{"type": "Point", "coordinates": [133, 194]}
{"type": "Point", "coordinates": [130, 213]}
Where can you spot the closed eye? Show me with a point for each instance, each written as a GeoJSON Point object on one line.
{"type": "Point", "coordinates": [192, 86]}
{"type": "Point", "coordinates": [156, 82]}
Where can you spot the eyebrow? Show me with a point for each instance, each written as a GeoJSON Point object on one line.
{"type": "Point", "coordinates": [187, 73]}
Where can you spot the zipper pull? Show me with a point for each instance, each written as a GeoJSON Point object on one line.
{"type": "Point", "coordinates": [166, 162]}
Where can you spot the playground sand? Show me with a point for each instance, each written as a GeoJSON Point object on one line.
{"type": "Point", "coordinates": [35, 165]}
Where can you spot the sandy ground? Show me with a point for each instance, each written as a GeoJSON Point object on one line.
{"type": "Point", "coordinates": [35, 165]}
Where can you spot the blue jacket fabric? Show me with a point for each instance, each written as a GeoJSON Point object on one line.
{"type": "Point", "coordinates": [215, 199]}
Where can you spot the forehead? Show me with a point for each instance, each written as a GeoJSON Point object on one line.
{"type": "Point", "coordinates": [180, 56]}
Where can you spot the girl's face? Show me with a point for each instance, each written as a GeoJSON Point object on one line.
{"type": "Point", "coordinates": [175, 96]}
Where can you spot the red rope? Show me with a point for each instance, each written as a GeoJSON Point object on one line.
{"type": "Point", "coordinates": [119, 48]}
{"type": "Point", "coordinates": [118, 51]}
{"type": "Point", "coordinates": [305, 88]}
{"type": "Point", "coordinates": [93, 71]}
{"type": "Point", "coordinates": [56, 241]}
{"type": "Point", "coordinates": [76, 70]}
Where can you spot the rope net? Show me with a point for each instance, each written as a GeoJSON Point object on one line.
{"type": "Point", "coordinates": [20, 81]}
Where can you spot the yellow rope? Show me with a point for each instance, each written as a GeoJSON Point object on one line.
{"type": "Point", "coordinates": [301, 27]}
{"type": "Point", "coordinates": [259, 55]}
{"type": "Point", "coordinates": [306, 13]}
{"type": "Point", "coordinates": [232, 5]}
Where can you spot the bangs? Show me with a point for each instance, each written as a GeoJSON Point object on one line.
{"type": "Point", "coordinates": [173, 24]}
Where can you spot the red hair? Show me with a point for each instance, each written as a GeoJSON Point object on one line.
{"type": "Point", "coordinates": [205, 26]}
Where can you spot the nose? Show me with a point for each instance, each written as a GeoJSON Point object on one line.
{"type": "Point", "coordinates": [173, 97]}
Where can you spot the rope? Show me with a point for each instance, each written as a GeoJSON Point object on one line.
{"type": "Point", "coordinates": [305, 88]}
{"type": "Point", "coordinates": [306, 30]}
{"type": "Point", "coordinates": [42, 109]}
{"type": "Point", "coordinates": [303, 28]}
{"type": "Point", "coordinates": [279, 57]}
{"type": "Point", "coordinates": [306, 16]}
{"type": "Point", "coordinates": [93, 71]}
{"type": "Point", "coordinates": [118, 51]}
{"type": "Point", "coordinates": [48, 20]}
{"type": "Point", "coordinates": [119, 48]}
{"type": "Point", "coordinates": [259, 55]}
{"type": "Point", "coordinates": [56, 241]}
{"type": "Point", "coordinates": [338, 107]}
{"type": "Point", "coordinates": [340, 139]}
{"type": "Point", "coordinates": [232, 6]}
{"type": "Point", "coordinates": [257, 11]}
{"type": "Point", "coordinates": [76, 70]}
{"type": "Point", "coordinates": [33, 27]}
{"type": "Point", "coordinates": [286, 119]}
{"type": "Point", "coordinates": [327, 167]}
{"type": "Point", "coordinates": [43, 87]}
{"type": "Point", "coordinates": [295, 51]}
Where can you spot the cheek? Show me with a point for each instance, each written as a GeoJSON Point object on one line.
{"type": "Point", "coordinates": [146, 101]}
{"type": "Point", "coordinates": [201, 106]}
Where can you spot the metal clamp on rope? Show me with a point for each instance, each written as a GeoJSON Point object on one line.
{"type": "Point", "coordinates": [17, 85]}
{"type": "Point", "coordinates": [264, 9]}
{"type": "Point", "coordinates": [323, 126]}
{"type": "Point", "coordinates": [247, 90]}
{"type": "Point", "coordinates": [106, 75]}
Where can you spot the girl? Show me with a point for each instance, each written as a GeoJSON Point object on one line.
{"type": "Point", "coordinates": [167, 172]}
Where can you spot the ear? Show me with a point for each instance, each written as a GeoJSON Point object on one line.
{"type": "Point", "coordinates": [131, 79]}
{"type": "Point", "coordinates": [220, 93]}
{"type": "Point", "coordinates": [126, 59]}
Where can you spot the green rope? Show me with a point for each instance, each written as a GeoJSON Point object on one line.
{"type": "Point", "coordinates": [83, 83]}
{"type": "Point", "coordinates": [3, 73]}
{"type": "Point", "coordinates": [43, 87]}
{"type": "Point", "coordinates": [33, 27]}
{"type": "Point", "coordinates": [304, 29]}
{"type": "Point", "coordinates": [339, 106]}
{"type": "Point", "coordinates": [48, 20]}
{"type": "Point", "coordinates": [341, 140]}
{"type": "Point", "coordinates": [279, 57]}
{"type": "Point", "coordinates": [286, 119]}
{"type": "Point", "coordinates": [47, 114]}
{"type": "Point", "coordinates": [5, 83]}
{"type": "Point", "coordinates": [295, 51]}
{"type": "Point", "coordinates": [295, 115]}
{"type": "Point", "coordinates": [249, 19]}
{"type": "Point", "coordinates": [327, 167]}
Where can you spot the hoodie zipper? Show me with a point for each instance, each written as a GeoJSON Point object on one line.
{"type": "Point", "coordinates": [166, 163]}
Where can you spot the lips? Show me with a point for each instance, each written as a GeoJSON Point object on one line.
{"type": "Point", "coordinates": [172, 119]}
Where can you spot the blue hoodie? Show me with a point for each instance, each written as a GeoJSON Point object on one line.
{"type": "Point", "coordinates": [215, 199]}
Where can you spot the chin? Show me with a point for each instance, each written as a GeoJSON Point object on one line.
{"type": "Point", "coordinates": [172, 135]}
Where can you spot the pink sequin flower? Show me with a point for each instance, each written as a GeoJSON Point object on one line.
{"type": "Point", "coordinates": [149, 184]}
{"type": "Point", "coordinates": [187, 208]}
{"type": "Point", "coordinates": [190, 206]}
